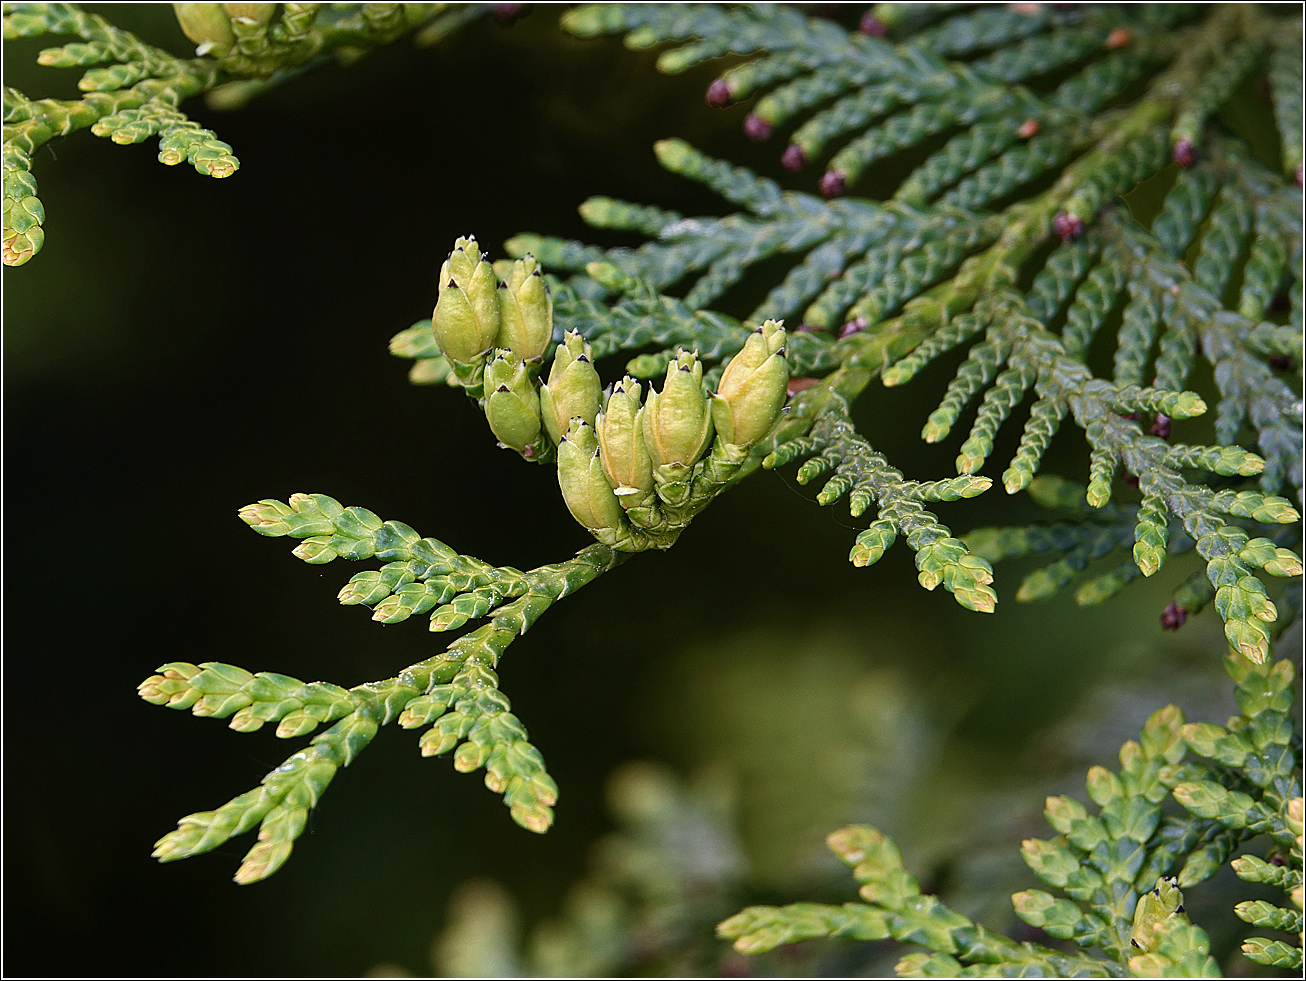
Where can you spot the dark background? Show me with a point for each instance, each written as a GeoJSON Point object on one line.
{"type": "Point", "coordinates": [183, 346]}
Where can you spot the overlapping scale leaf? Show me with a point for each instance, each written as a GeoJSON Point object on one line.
{"type": "Point", "coordinates": [220, 690]}
{"type": "Point", "coordinates": [865, 477]}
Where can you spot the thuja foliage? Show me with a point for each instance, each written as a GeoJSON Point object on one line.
{"type": "Point", "coordinates": [134, 90]}
{"type": "Point", "coordinates": [1187, 796]}
{"type": "Point", "coordinates": [977, 203]}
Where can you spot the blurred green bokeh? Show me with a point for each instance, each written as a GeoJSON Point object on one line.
{"type": "Point", "coordinates": [184, 346]}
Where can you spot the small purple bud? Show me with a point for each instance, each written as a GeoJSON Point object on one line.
{"type": "Point", "coordinates": [1161, 427]}
{"type": "Point", "coordinates": [718, 94]}
{"type": "Point", "coordinates": [1067, 227]}
{"type": "Point", "coordinates": [1299, 175]}
{"type": "Point", "coordinates": [853, 327]}
{"type": "Point", "coordinates": [1280, 362]}
{"type": "Point", "coordinates": [1174, 616]}
{"type": "Point", "coordinates": [872, 25]}
{"type": "Point", "coordinates": [1129, 480]}
{"type": "Point", "coordinates": [507, 13]}
{"type": "Point", "coordinates": [756, 128]}
{"type": "Point", "coordinates": [808, 329]}
{"type": "Point", "coordinates": [1184, 152]}
{"type": "Point", "coordinates": [793, 158]}
{"type": "Point", "coordinates": [1131, 416]}
{"type": "Point", "coordinates": [833, 183]}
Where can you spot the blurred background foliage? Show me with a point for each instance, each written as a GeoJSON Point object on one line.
{"type": "Point", "coordinates": [184, 346]}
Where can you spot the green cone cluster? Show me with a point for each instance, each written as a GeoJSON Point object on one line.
{"type": "Point", "coordinates": [494, 334]}
{"type": "Point", "coordinates": [634, 467]}
{"type": "Point", "coordinates": [636, 474]}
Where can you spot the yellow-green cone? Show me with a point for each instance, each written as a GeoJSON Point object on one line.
{"type": "Point", "coordinates": [573, 390]}
{"type": "Point", "coordinates": [525, 311]}
{"type": "Point", "coordinates": [585, 488]}
{"type": "Point", "coordinates": [512, 405]}
{"type": "Point", "coordinates": [207, 24]}
{"type": "Point", "coordinates": [752, 391]}
{"type": "Point", "coordinates": [466, 319]}
{"type": "Point", "coordinates": [678, 422]}
{"type": "Point", "coordinates": [252, 13]}
{"type": "Point", "coordinates": [620, 433]}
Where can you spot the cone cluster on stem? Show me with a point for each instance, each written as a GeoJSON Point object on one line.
{"type": "Point", "coordinates": [633, 472]}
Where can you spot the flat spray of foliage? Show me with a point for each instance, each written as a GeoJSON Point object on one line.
{"type": "Point", "coordinates": [1019, 128]}
{"type": "Point", "coordinates": [1120, 867]}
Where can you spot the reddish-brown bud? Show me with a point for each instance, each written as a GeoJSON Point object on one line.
{"type": "Point", "coordinates": [1118, 38]}
{"type": "Point", "coordinates": [718, 94]}
{"type": "Point", "coordinates": [1129, 480]}
{"type": "Point", "coordinates": [1161, 426]}
{"type": "Point", "coordinates": [1028, 128]}
{"type": "Point", "coordinates": [796, 385]}
{"type": "Point", "coordinates": [793, 158]}
{"type": "Point", "coordinates": [507, 13]}
{"type": "Point", "coordinates": [833, 183]}
{"type": "Point", "coordinates": [1067, 227]}
{"type": "Point", "coordinates": [1280, 362]}
{"type": "Point", "coordinates": [756, 128]}
{"type": "Point", "coordinates": [1173, 617]}
{"type": "Point", "coordinates": [1184, 152]}
{"type": "Point", "coordinates": [872, 25]}
{"type": "Point", "coordinates": [855, 326]}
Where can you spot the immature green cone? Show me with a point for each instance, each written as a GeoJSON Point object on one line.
{"type": "Point", "coordinates": [512, 405]}
{"type": "Point", "coordinates": [573, 390]}
{"type": "Point", "coordinates": [466, 318]}
{"type": "Point", "coordinates": [586, 490]}
{"type": "Point", "coordinates": [678, 422]}
{"type": "Point", "coordinates": [525, 311]}
{"type": "Point", "coordinates": [753, 388]}
{"type": "Point", "coordinates": [207, 24]}
{"type": "Point", "coordinates": [620, 432]}
{"type": "Point", "coordinates": [251, 13]}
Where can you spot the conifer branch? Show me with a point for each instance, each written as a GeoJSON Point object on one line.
{"type": "Point", "coordinates": [455, 693]}
{"type": "Point", "coordinates": [914, 277]}
{"type": "Point", "coordinates": [241, 50]}
{"type": "Point", "coordinates": [865, 476]}
{"type": "Point", "coordinates": [1020, 127]}
{"type": "Point", "coordinates": [1113, 866]}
